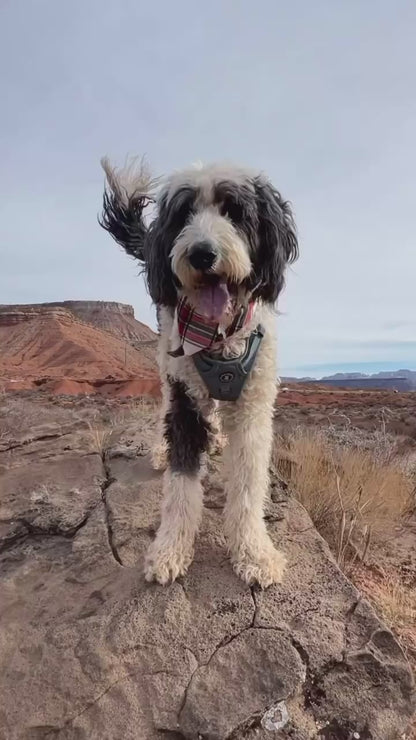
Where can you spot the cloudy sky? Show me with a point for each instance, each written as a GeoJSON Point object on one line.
{"type": "Point", "coordinates": [320, 94]}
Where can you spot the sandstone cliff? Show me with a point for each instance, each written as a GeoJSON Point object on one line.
{"type": "Point", "coordinates": [76, 340]}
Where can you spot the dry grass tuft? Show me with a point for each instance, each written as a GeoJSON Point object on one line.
{"type": "Point", "coordinates": [101, 437]}
{"type": "Point", "coordinates": [350, 496]}
{"type": "Point", "coordinates": [106, 428]}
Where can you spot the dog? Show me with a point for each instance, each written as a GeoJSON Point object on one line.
{"type": "Point", "coordinates": [214, 257]}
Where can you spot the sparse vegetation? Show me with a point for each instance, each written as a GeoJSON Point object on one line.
{"type": "Point", "coordinates": [359, 491]}
{"type": "Point", "coordinates": [349, 493]}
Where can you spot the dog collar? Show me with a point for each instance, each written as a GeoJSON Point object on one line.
{"type": "Point", "coordinates": [225, 378]}
{"type": "Point", "coordinates": [197, 333]}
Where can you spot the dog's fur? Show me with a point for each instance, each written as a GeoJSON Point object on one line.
{"type": "Point", "coordinates": [251, 229]}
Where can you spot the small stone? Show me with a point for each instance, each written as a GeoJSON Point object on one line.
{"type": "Point", "coordinates": [275, 718]}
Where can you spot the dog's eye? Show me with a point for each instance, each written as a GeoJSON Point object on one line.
{"type": "Point", "coordinates": [181, 214]}
{"type": "Point", "coordinates": [232, 210]}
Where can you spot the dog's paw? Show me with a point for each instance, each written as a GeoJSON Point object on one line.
{"type": "Point", "coordinates": [264, 569]}
{"type": "Point", "coordinates": [165, 562]}
{"type": "Point", "coordinates": [159, 457]}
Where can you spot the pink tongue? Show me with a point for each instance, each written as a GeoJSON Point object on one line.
{"type": "Point", "coordinates": [212, 300]}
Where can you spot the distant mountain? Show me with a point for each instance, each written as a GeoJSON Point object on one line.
{"type": "Point", "coordinates": [403, 380]}
{"type": "Point", "coordinates": [411, 374]}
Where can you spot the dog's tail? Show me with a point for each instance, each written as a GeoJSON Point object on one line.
{"type": "Point", "coordinates": [127, 192]}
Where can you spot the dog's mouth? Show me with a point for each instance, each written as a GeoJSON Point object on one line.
{"type": "Point", "coordinates": [214, 296]}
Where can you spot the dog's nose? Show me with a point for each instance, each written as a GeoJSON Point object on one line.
{"type": "Point", "coordinates": [202, 256]}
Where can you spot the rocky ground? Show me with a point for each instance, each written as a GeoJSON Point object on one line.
{"type": "Point", "coordinates": [90, 651]}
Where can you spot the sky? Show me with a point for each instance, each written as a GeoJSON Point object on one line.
{"type": "Point", "coordinates": [320, 95]}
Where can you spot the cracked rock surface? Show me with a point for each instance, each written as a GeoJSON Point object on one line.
{"type": "Point", "coordinates": [89, 650]}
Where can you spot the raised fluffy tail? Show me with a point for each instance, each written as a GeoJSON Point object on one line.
{"type": "Point", "coordinates": [127, 193]}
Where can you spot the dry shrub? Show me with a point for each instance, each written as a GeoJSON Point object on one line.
{"type": "Point", "coordinates": [382, 446]}
{"type": "Point", "coordinates": [348, 493]}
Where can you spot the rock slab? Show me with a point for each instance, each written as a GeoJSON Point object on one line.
{"type": "Point", "coordinates": [88, 650]}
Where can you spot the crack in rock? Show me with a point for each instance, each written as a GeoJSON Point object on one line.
{"type": "Point", "coordinates": [34, 531]}
{"type": "Point", "coordinates": [107, 513]}
{"type": "Point", "coordinates": [253, 596]}
{"type": "Point", "coordinates": [351, 611]}
{"type": "Point", "coordinates": [94, 701]}
{"type": "Point", "coordinates": [255, 719]}
{"type": "Point", "coordinates": [25, 442]}
{"type": "Point", "coordinates": [90, 704]}
{"type": "Point", "coordinates": [304, 656]}
{"type": "Point", "coordinates": [223, 643]}
{"type": "Point", "coordinates": [313, 692]}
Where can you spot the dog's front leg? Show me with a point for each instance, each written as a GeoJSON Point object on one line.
{"type": "Point", "coordinates": [249, 427]}
{"type": "Point", "coordinates": [187, 434]}
{"type": "Point", "coordinates": [247, 458]}
{"type": "Point", "coordinates": [159, 454]}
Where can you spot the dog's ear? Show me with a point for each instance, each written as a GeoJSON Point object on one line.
{"type": "Point", "coordinates": [159, 242]}
{"type": "Point", "coordinates": [127, 193]}
{"type": "Point", "coordinates": [174, 209]}
{"type": "Point", "coordinates": [277, 243]}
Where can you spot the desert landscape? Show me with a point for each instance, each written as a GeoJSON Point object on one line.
{"type": "Point", "coordinates": [90, 651]}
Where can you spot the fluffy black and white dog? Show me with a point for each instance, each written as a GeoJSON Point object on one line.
{"type": "Point", "coordinates": [217, 247]}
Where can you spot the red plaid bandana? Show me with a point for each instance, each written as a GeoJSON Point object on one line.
{"type": "Point", "coordinates": [196, 332]}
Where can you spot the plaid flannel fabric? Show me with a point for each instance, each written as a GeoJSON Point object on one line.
{"type": "Point", "coordinates": [196, 332]}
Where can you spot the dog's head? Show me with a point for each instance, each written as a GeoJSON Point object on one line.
{"type": "Point", "coordinates": [219, 235]}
